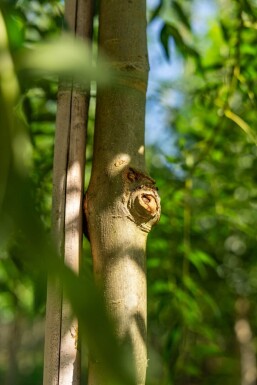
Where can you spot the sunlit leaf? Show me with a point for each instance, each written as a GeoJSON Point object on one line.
{"type": "Point", "coordinates": [242, 124]}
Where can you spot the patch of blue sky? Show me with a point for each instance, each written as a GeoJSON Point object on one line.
{"type": "Point", "coordinates": [203, 11]}
{"type": "Point", "coordinates": [163, 71]}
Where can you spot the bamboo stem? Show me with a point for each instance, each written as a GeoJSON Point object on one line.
{"type": "Point", "coordinates": [62, 358]}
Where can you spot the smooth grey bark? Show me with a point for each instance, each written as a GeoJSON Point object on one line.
{"type": "Point", "coordinates": [62, 355]}
{"type": "Point", "coordinates": [122, 203]}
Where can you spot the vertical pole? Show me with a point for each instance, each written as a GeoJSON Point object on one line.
{"type": "Point", "coordinates": [62, 357]}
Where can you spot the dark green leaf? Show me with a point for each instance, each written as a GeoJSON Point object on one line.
{"type": "Point", "coordinates": [181, 13]}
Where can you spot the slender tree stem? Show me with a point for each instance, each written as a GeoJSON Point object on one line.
{"type": "Point", "coordinates": [62, 358]}
{"type": "Point", "coordinates": [122, 203]}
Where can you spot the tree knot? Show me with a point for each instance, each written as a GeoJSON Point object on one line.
{"type": "Point", "coordinates": [143, 201]}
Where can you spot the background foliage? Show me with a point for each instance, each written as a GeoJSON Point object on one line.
{"type": "Point", "coordinates": [202, 270]}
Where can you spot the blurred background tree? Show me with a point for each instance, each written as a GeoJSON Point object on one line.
{"type": "Point", "coordinates": [202, 270]}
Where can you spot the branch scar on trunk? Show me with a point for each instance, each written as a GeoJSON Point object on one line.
{"type": "Point", "coordinates": [141, 199]}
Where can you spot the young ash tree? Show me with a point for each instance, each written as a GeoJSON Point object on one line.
{"type": "Point", "coordinates": [122, 203]}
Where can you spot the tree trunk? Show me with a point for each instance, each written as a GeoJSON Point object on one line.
{"type": "Point", "coordinates": [12, 372]}
{"type": "Point", "coordinates": [62, 357]}
{"type": "Point", "coordinates": [122, 203]}
{"type": "Point", "coordinates": [246, 343]}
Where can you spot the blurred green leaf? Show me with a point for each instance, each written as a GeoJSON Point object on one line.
{"type": "Point", "coordinates": [156, 11]}
{"type": "Point", "coordinates": [200, 260]}
{"type": "Point", "coordinates": [65, 57]}
{"type": "Point", "coordinates": [168, 31]}
{"type": "Point", "coordinates": [180, 12]}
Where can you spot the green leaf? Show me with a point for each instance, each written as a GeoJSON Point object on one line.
{"type": "Point", "coordinates": [64, 57]}
{"type": "Point", "coordinates": [156, 11]}
{"type": "Point", "coordinates": [200, 260]}
{"type": "Point", "coordinates": [181, 14]}
{"type": "Point", "coordinates": [168, 31]}
{"type": "Point", "coordinates": [242, 124]}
